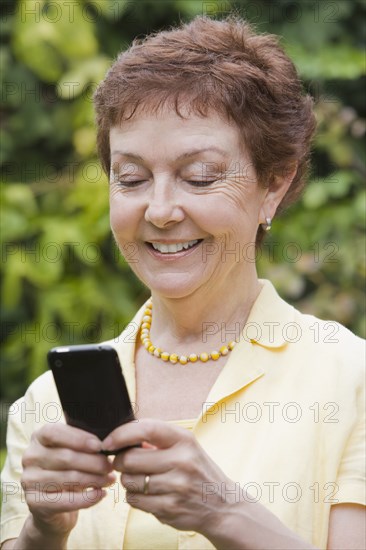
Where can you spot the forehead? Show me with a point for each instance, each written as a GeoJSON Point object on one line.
{"type": "Point", "coordinates": [170, 135]}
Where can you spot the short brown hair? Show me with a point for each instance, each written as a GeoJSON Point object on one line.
{"type": "Point", "coordinates": [219, 65]}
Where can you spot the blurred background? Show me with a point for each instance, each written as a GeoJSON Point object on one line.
{"type": "Point", "coordinates": [62, 279]}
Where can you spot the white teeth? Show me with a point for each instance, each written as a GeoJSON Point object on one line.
{"type": "Point", "coordinates": [173, 248]}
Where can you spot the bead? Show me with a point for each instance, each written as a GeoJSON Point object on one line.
{"type": "Point", "coordinates": [173, 357]}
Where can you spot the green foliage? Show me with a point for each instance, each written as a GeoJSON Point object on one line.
{"type": "Point", "coordinates": [62, 278]}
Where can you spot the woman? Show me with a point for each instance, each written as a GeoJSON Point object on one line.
{"type": "Point", "coordinates": [250, 426]}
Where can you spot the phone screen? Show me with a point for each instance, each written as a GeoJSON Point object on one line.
{"type": "Point", "coordinates": [91, 387]}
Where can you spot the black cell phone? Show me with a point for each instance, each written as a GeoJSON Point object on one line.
{"type": "Point", "coordinates": [91, 387]}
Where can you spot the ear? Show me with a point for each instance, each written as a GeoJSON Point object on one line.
{"type": "Point", "coordinates": [275, 193]}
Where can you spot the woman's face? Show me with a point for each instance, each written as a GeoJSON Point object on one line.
{"type": "Point", "coordinates": [185, 204]}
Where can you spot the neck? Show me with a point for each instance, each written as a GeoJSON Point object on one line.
{"type": "Point", "coordinates": [205, 319]}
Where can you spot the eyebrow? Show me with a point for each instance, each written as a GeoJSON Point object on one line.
{"type": "Point", "coordinates": [187, 154]}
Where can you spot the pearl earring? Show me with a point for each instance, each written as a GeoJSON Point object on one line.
{"type": "Point", "coordinates": [267, 226]}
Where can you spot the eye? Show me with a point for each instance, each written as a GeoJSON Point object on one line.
{"type": "Point", "coordinates": [201, 183]}
{"type": "Point", "coordinates": [123, 174]}
{"type": "Point", "coordinates": [129, 183]}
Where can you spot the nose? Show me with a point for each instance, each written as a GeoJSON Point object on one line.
{"type": "Point", "coordinates": [163, 207]}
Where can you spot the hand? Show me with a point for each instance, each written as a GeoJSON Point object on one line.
{"type": "Point", "coordinates": [59, 465]}
{"type": "Point", "coordinates": [180, 472]}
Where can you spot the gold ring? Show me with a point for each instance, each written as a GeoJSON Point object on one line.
{"type": "Point", "coordinates": [146, 485]}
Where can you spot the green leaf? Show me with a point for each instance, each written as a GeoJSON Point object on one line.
{"type": "Point", "coordinates": [74, 82]}
{"type": "Point", "coordinates": [49, 35]}
{"type": "Point", "coordinates": [110, 9]}
{"type": "Point", "coordinates": [337, 61]}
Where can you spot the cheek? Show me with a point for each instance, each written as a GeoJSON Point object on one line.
{"type": "Point", "coordinates": [117, 221]}
{"type": "Point", "coordinates": [123, 216]}
{"type": "Point", "coordinates": [233, 214]}
{"type": "Point", "coordinates": [219, 213]}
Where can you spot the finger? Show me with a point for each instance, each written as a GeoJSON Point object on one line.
{"type": "Point", "coordinates": [63, 501]}
{"type": "Point", "coordinates": [133, 483]}
{"type": "Point", "coordinates": [63, 435]}
{"type": "Point", "coordinates": [186, 457]}
{"type": "Point", "coordinates": [68, 480]}
{"type": "Point", "coordinates": [144, 461]}
{"type": "Point", "coordinates": [154, 431]}
{"type": "Point", "coordinates": [146, 445]}
{"type": "Point", "coordinates": [57, 459]}
{"type": "Point", "coordinates": [157, 484]}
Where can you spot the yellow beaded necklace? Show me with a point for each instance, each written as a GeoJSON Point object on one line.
{"type": "Point", "coordinates": [173, 357]}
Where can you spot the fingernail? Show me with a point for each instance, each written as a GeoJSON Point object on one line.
{"type": "Point", "coordinates": [94, 445]}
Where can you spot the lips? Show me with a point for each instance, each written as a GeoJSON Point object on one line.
{"type": "Point", "coordinates": [173, 248]}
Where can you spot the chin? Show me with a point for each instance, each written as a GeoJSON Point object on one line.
{"type": "Point", "coordinates": [172, 287]}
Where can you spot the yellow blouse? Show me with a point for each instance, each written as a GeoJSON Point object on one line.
{"type": "Point", "coordinates": [284, 419]}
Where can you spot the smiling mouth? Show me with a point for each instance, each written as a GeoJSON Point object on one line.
{"type": "Point", "coordinates": [164, 248]}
